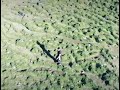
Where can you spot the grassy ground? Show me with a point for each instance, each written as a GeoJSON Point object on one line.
{"type": "Point", "coordinates": [86, 30]}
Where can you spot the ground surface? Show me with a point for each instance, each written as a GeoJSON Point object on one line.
{"type": "Point", "coordinates": [86, 30]}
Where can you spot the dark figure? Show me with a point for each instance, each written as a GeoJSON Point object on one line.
{"type": "Point", "coordinates": [58, 57]}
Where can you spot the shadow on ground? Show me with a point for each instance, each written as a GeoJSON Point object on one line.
{"type": "Point", "coordinates": [46, 51]}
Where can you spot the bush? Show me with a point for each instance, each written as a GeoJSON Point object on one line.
{"type": "Point", "coordinates": [83, 81]}
{"type": "Point", "coordinates": [98, 65]}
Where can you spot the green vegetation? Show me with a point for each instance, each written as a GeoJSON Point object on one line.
{"type": "Point", "coordinates": [86, 30]}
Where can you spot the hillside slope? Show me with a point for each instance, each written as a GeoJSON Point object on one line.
{"type": "Point", "coordinates": [86, 30]}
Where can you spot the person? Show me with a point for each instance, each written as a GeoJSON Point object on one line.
{"type": "Point", "coordinates": [58, 57]}
{"type": "Point", "coordinates": [83, 73]}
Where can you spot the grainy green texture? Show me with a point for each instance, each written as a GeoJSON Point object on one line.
{"type": "Point", "coordinates": [86, 30]}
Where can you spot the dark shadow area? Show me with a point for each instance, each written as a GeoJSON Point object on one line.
{"type": "Point", "coordinates": [70, 64]}
{"type": "Point", "coordinates": [46, 51]}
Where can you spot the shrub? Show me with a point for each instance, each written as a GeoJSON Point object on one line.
{"type": "Point", "coordinates": [83, 81]}
{"type": "Point", "coordinates": [98, 65]}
